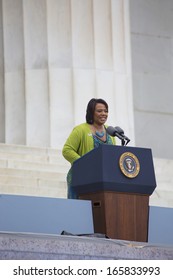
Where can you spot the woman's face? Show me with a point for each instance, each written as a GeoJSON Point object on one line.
{"type": "Point", "coordinates": [100, 114]}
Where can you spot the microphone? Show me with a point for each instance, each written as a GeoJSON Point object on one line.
{"type": "Point", "coordinates": [119, 132]}
{"type": "Point", "coordinates": [112, 131]}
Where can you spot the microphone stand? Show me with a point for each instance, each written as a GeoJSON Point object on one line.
{"type": "Point", "coordinates": [122, 142]}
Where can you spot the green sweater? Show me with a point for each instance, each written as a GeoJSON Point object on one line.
{"type": "Point", "coordinates": [79, 142]}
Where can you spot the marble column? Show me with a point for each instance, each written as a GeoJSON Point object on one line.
{"type": "Point", "coordinates": [2, 101]}
{"type": "Point", "coordinates": [14, 76]}
{"type": "Point", "coordinates": [36, 73]}
{"type": "Point", "coordinates": [84, 84]}
{"type": "Point", "coordinates": [60, 69]}
{"type": "Point", "coordinates": [123, 96]}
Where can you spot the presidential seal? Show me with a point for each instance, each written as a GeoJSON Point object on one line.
{"type": "Point", "coordinates": [129, 165]}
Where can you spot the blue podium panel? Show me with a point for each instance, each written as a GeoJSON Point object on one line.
{"type": "Point", "coordinates": [160, 225]}
{"type": "Point", "coordinates": [45, 215]}
{"type": "Point", "coordinates": [104, 173]}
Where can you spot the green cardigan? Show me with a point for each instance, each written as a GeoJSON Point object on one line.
{"type": "Point", "coordinates": [79, 142]}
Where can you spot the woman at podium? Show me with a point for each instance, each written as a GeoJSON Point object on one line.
{"type": "Point", "coordinates": [87, 136]}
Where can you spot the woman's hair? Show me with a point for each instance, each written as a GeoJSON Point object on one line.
{"type": "Point", "coordinates": [91, 108]}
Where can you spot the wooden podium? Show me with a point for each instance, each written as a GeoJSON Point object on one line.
{"type": "Point", "coordinates": [119, 195]}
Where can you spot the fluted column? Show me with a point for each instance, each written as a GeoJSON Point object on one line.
{"type": "Point", "coordinates": [84, 85]}
{"type": "Point", "coordinates": [36, 73]}
{"type": "Point", "coordinates": [14, 81]}
{"type": "Point", "coordinates": [123, 97]}
{"type": "Point", "coordinates": [2, 101]}
{"type": "Point", "coordinates": [104, 63]}
{"type": "Point", "coordinates": [60, 69]}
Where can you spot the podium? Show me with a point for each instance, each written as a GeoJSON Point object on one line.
{"type": "Point", "coordinates": [118, 180]}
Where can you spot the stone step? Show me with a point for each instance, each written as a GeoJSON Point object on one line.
{"type": "Point", "coordinates": [32, 171]}
{"type": "Point", "coordinates": [163, 169]}
{"type": "Point", "coordinates": [30, 181]}
{"type": "Point", "coordinates": [33, 185]}
{"type": "Point", "coordinates": [164, 186]}
{"type": "Point", "coordinates": [32, 159]}
{"type": "Point", "coordinates": [33, 174]}
{"type": "Point", "coordinates": [57, 158]}
{"type": "Point", "coordinates": [22, 149]}
{"type": "Point", "coordinates": [162, 198]}
{"type": "Point", "coordinates": [161, 202]}
{"type": "Point", "coordinates": [32, 154]}
{"type": "Point", "coordinates": [30, 165]}
{"type": "Point", "coordinates": [41, 190]}
{"type": "Point", "coordinates": [165, 194]}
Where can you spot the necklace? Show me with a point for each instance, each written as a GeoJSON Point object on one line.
{"type": "Point", "coordinates": [100, 134]}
